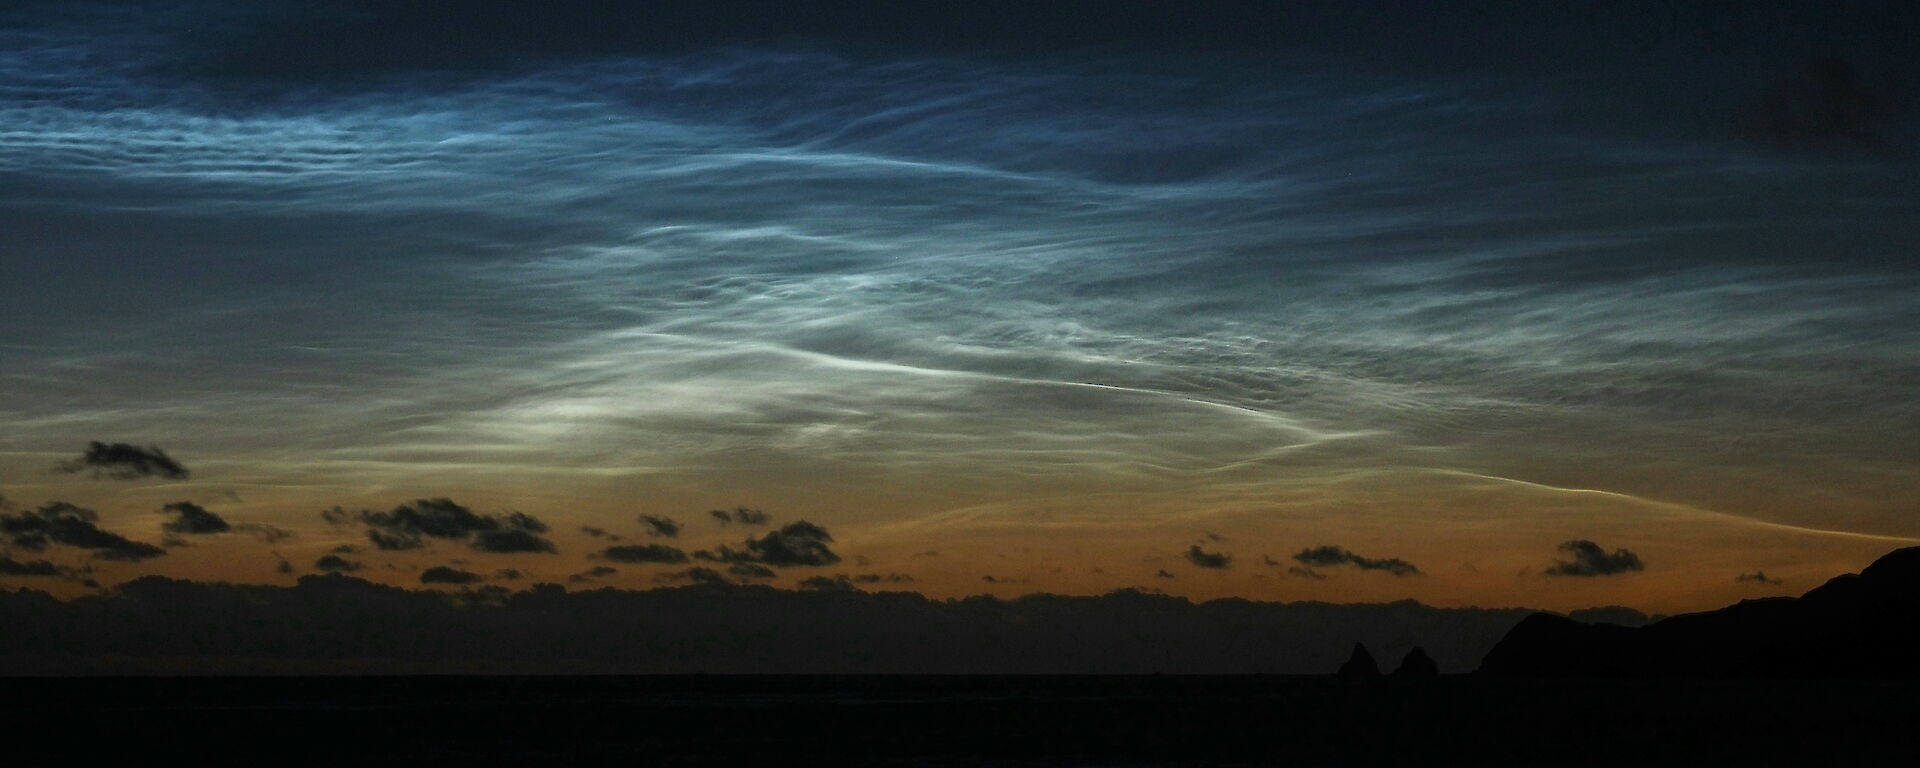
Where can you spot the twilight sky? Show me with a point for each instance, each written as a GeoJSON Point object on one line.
{"type": "Point", "coordinates": [1048, 296]}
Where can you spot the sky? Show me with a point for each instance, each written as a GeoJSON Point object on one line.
{"type": "Point", "coordinates": [1485, 304]}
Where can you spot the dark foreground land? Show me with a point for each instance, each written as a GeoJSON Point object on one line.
{"type": "Point", "coordinates": [941, 721]}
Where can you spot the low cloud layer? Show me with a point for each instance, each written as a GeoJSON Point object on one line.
{"type": "Point", "coordinates": [644, 553]}
{"type": "Point", "coordinates": [411, 525]}
{"type": "Point", "coordinates": [1586, 558]}
{"type": "Point", "coordinates": [125, 461]}
{"type": "Point", "coordinates": [191, 518]}
{"type": "Point", "coordinates": [741, 515]}
{"type": "Point", "coordinates": [268, 533]}
{"type": "Point", "coordinates": [60, 523]}
{"type": "Point", "coordinates": [1204, 559]}
{"type": "Point", "coordinates": [750, 571]}
{"type": "Point", "coordinates": [698, 574]}
{"type": "Point", "coordinates": [12, 567]}
{"type": "Point", "coordinates": [444, 574]}
{"type": "Point", "coordinates": [657, 525]}
{"type": "Point", "coordinates": [853, 582]}
{"type": "Point", "coordinates": [795, 544]}
{"type": "Point", "coordinates": [591, 574]}
{"type": "Point", "coordinates": [1328, 556]}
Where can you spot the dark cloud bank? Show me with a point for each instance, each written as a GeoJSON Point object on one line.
{"type": "Point", "coordinates": [1586, 558]}
{"type": "Point", "coordinates": [1205, 559]}
{"type": "Point", "coordinates": [333, 623]}
{"type": "Point", "coordinates": [67, 525]}
{"type": "Point", "coordinates": [1329, 556]}
{"type": "Point", "coordinates": [192, 518]}
{"type": "Point", "coordinates": [741, 515]}
{"type": "Point", "coordinates": [411, 525]}
{"type": "Point", "coordinates": [796, 543]}
{"type": "Point", "coordinates": [125, 461]}
{"type": "Point", "coordinates": [657, 525]}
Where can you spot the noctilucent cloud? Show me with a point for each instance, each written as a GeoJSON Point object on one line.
{"type": "Point", "coordinates": [1070, 316]}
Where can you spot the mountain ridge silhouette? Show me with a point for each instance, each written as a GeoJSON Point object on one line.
{"type": "Point", "coordinates": [1853, 626]}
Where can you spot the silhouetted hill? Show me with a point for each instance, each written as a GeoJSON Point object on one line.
{"type": "Point", "coordinates": [1855, 626]}
{"type": "Point", "coordinates": [1417, 665]}
{"type": "Point", "coordinates": [338, 624]}
{"type": "Point", "coordinates": [1360, 665]}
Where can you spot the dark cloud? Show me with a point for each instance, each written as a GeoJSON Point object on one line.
{"type": "Point", "coordinates": [798, 543]}
{"type": "Point", "coordinates": [644, 553]}
{"type": "Point", "coordinates": [193, 519]}
{"type": "Point", "coordinates": [509, 574]}
{"type": "Point", "coordinates": [1323, 556]}
{"type": "Point", "coordinates": [750, 571]}
{"type": "Point", "coordinates": [836, 583]}
{"type": "Point", "coordinates": [344, 549]}
{"type": "Point", "coordinates": [741, 515]}
{"type": "Point", "coordinates": [841, 581]}
{"type": "Point", "coordinates": [1205, 559]}
{"type": "Point", "coordinates": [409, 525]}
{"type": "Point", "coordinates": [335, 564]}
{"type": "Point", "coordinates": [1213, 537]}
{"type": "Point", "coordinates": [590, 574]}
{"type": "Point", "coordinates": [1165, 574]}
{"type": "Point", "coordinates": [697, 574]}
{"type": "Point", "coordinates": [62, 523]}
{"type": "Point", "coordinates": [281, 565]}
{"type": "Point", "coordinates": [599, 533]}
{"type": "Point", "coordinates": [521, 521]}
{"type": "Point", "coordinates": [657, 525]}
{"type": "Point", "coordinates": [264, 532]}
{"type": "Point", "coordinates": [1589, 559]}
{"type": "Point", "coordinates": [1328, 556]}
{"type": "Point", "coordinates": [1306, 573]}
{"type": "Point", "coordinates": [511, 540]}
{"type": "Point", "coordinates": [441, 574]}
{"type": "Point", "coordinates": [1757, 577]}
{"type": "Point", "coordinates": [12, 567]}
{"type": "Point", "coordinates": [125, 461]}
{"type": "Point", "coordinates": [1268, 560]}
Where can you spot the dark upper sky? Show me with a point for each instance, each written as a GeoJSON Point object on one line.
{"type": "Point", "coordinates": [1060, 292]}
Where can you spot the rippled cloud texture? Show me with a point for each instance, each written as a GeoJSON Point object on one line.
{"type": "Point", "coordinates": [1048, 311]}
